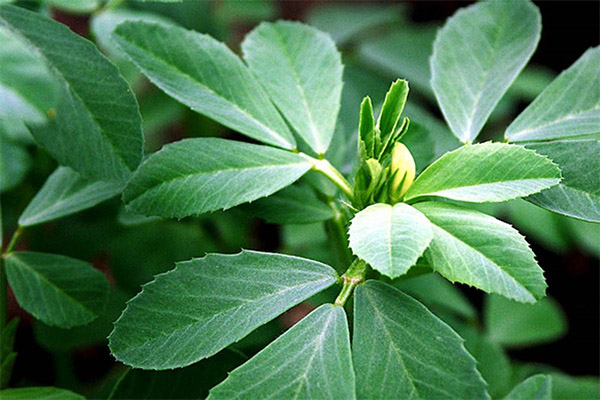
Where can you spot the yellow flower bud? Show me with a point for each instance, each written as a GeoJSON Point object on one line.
{"type": "Point", "coordinates": [402, 168]}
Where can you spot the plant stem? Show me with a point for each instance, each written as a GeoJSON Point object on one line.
{"type": "Point", "coordinates": [325, 168]}
{"type": "Point", "coordinates": [352, 277]}
{"type": "Point", "coordinates": [3, 284]}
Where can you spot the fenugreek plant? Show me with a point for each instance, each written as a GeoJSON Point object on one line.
{"type": "Point", "coordinates": [370, 340]}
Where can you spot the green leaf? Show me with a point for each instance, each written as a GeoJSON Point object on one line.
{"type": "Point", "coordinates": [198, 175]}
{"type": "Point", "coordinates": [488, 172]}
{"type": "Point", "coordinates": [578, 194]}
{"type": "Point", "coordinates": [15, 161]}
{"type": "Point", "coordinates": [585, 234]}
{"type": "Point", "coordinates": [28, 90]}
{"type": "Point", "coordinates": [574, 387]}
{"type": "Point", "coordinates": [366, 127]}
{"type": "Point", "coordinates": [390, 238]}
{"type": "Point", "coordinates": [311, 361]}
{"type": "Point", "coordinates": [404, 51]}
{"type": "Point", "coordinates": [57, 290]}
{"type": "Point", "coordinates": [232, 296]}
{"type": "Point", "coordinates": [514, 324]}
{"type": "Point", "coordinates": [436, 292]}
{"type": "Point", "coordinates": [7, 355]}
{"type": "Point", "coordinates": [401, 350]}
{"type": "Point", "coordinates": [66, 192]}
{"type": "Point", "coordinates": [427, 137]}
{"type": "Point", "coordinates": [296, 204]}
{"type": "Point", "coordinates": [492, 362]}
{"type": "Point", "coordinates": [537, 387]}
{"type": "Point", "coordinates": [393, 106]}
{"type": "Point", "coordinates": [346, 22]}
{"type": "Point", "coordinates": [205, 75]}
{"type": "Point", "coordinates": [97, 126]}
{"type": "Point", "coordinates": [59, 340]}
{"type": "Point", "coordinates": [301, 70]}
{"type": "Point", "coordinates": [476, 249]}
{"type": "Point", "coordinates": [568, 107]}
{"type": "Point", "coordinates": [39, 393]}
{"type": "Point", "coordinates": [74, 6]}
{"type": "Point", "coordinates": [192, 382]}
{"type": "Point", "coordinates": [476, 57]}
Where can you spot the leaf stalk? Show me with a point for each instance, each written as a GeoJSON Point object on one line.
{"type": "Point", "coordinates": [324, 167]}
{"type": "Point", "coordinates": [352, 277]}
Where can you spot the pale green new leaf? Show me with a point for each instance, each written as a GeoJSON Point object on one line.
{"type": "Point", "coordinates": [515, 324]}
{"type": "Point", "coordinates": [39, 393]}
{"type": "Point", "coordinates": [401, 350]}
{"type": "Point", "coordinates": [66, 192]}
{"type": "Point", "coordinates": [28, 90]}
{"type": "Point", "coordinates": [537, 387]}
{"type": "Point", "coordinates": [205, 75]}
{"type": "Point", "coordinates": [481, 251]}
{"type": "Point", "coordinates": [578, 194]}
{"type": "Point", "coordinates": [206, 304]}
{"type": "Point", "coordinates": [568, 107]}
{"type": "Point", "coordinates": [476, 57]}
{"type": "Point", "coordinates": [57, 290]}
{"type": "Point", "coordinates": [488, 172]}
{"type": "Point", "coordinates": [96, 129]}
{"type": "Point", "coordinates": [296, 204]}
{"type": "Point", "coordinates": [198, 175]}
{"type": "Point", "coordinates": [310, 361]}
{"type": "Point", "coordinates": [301, 70]}
{"type": "Point", "coordinates": [390, 238]}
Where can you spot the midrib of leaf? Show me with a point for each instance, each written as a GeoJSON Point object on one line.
{"type": "Point", "coordinates": [313, 129]}
{"type": "Point", "coordinates": [392, 342]}
{"type": "Point", "coordinates": [53, 286]}
{"type": "Point", "coordinates": [59, 75]}
{"type": "Point", "coordinates": [174, 68]}
{"type": "Point", "coordinates": [231, 310]}
{"type": "Point", "coordinates": [218, 171]}
{"type": "Point", "coordinates": [504, 272]}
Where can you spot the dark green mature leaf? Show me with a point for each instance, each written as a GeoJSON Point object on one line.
{"type": "Point", "coordinates": [66, 192]}
{"type": "Point", "coordinates": [514, 324]}
{"type": "Point", "coordinates": [97, 126]}
{"type": "Point", "coordinates": [192, 382]}
{"type": "Point", "coordinates": [578, 194]}
{"type": "Point", "coordinates": [301, 70]}
{"type": "Point", "coordinates": [404, 52]}
{"type": "Point", "coordinates": [487, 172]}
{"type": "Point", "coordinates": [401, 350]}
{"type": "Point", "coordinates": [206, 304]}
{"type": "Point", "coordinates": [296, 204]}
{"type": "Point", "coordinates": [198, 175]}
{"type": "Point", "coordinates": [435, 293]}
{"type": "Point", "coordinates": [345, 22]}
{"type": "Point", "coordinates": [574, 387]}
{"type": "Point", "coordinates": [28, 90]}
{"type": "Point", "coordinates": [74, 6]}
{"type": "Point", "coordinates": [476, 57]}
{"type": "Point", "coordinates": [39, 393]}
{"type": "Point", "coordinates": [7, 355]}
{"type": "Point", "coordinates": [427, 137]}
{"type": "Point", "coordinates": [390, 238]}
{"type": "Point", "coordinates": [569, 107]}
{"type": "Point", "coordinates": [537, 387]}
{"type": "Point", "coordinates": [481, 251]}
{"type": "Point", "coordinates": [311, 360]}
{"type": "Point", "coordinates": [205, 75]}
{"type": "Point", "coordinates": [15, 161]}
{"type": "Point", "coordinates": [57, 290]}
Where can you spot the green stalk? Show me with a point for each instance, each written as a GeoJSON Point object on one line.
{"type": "Point", "coordinates": [3, 284]}
{"type": "Point", "coordinates": [324, 167]}
{"type": "Point", "coordinates": [352, 277]}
